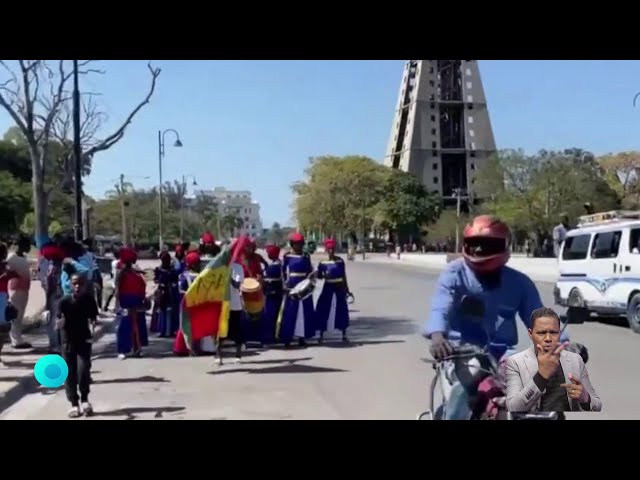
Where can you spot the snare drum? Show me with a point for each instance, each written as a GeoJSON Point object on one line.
{"type": "Point", "coordinates": [303, 290]}
{"type": "Point", "coordinates": [253, 296]}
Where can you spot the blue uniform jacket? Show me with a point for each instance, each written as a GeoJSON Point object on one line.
{"type": "Point", "coordinates": [515, 294]}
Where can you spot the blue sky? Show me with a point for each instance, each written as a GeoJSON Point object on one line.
{"type": "Point", "coordinates": [253, 124]}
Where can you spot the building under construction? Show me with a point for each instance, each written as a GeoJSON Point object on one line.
{"type": "Point", "coordinates": [441, 130]}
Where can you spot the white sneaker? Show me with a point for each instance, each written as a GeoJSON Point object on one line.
{"type": "Point", "coordinates": [122, 356]}
{"type": "Point", "coordinates": [74, 412]}
{"type": "Point", "coordinates": [218, 361]}
{"type": "Point", "coordinates": [87, 409]}
{"type": "Point", "coordinates": [238, 360]}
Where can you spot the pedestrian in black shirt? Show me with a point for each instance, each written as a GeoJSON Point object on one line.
{"type": "Point", "coordinates": [76, 313]}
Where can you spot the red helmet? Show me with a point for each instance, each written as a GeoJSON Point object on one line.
{"type": "Point", "coordinates": [486, 244]}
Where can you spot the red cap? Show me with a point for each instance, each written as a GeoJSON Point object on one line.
{"type": "Point", "coordinates": [192, 259]}
{"type": "Point", "coordinates": [52, 252]}
{"type": "Point", "coordinates": [330, 244]}
{"type": "Point", "coordinates": [207, 238]}
{"type": "Point", "coordinates": [273, 251]}
{"type": "Point", "coordinates": [128, 255]}
{"type": "Point", "coordinates": [296, 237]}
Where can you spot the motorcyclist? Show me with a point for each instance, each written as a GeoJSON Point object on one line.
{"type": "Point", "coordinates": [483, 275]}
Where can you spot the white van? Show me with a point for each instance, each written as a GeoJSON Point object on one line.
{"type": "Point", "coordinates": [599, 266]}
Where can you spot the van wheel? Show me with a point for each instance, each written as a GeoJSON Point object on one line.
{"type": "Point", "coordinates": [577, 312]}
{"type": "Point", "coordinates": [633, 313]}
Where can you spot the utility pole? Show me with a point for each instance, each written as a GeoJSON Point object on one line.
{"type": "Point", "coordinates": [77, 153]}
{"type": "Point", "coordinates": [458, 212]}
{"type": "Point", "coordinates": [123, 212]}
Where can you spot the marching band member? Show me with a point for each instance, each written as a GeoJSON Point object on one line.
{"type": "Point", "coordinates": [237, 316]}
{"type": "Point", "coordinates": [54, 256]}
{"type": "Point", "coordinates": [208, 246]}
{"type": "Point", "coordinates": [165, 318]}
{"type": "Point", "coordinates": [273, 291]}
{"type": "Point", "coordinates": [297, 316]}
{"type": "Point", "coordinates": [332, 310]}
{"type": "Point", "coordinates": [178, 260]}
{"type": "Point", "coordinates": [132, 332]}
{"type": "Point", "coordinates": [193, 265]}
{"type": "Point", "coordinates": [254, 261]}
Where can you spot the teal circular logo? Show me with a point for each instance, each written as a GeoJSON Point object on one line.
{"type": "Point", "coordinates": [51, 371]}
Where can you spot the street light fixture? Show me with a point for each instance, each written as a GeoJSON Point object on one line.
{"type": "Point", "coordinates": [161, 153]}
{"type": "Point", "coordinates": [182, 194]}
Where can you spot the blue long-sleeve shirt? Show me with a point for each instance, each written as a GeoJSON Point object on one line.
{"type": "Point", "coordinates": [514, 294]}
{"type": "Point", "coordinates": [65, 278]}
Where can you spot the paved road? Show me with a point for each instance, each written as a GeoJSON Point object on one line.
{"type": "Point", "coordinates": [379, 377]}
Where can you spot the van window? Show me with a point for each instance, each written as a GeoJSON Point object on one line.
{"type": "Point", "coordinates": [634, 240]}
{"type": "Point", "coordinates": [576, 248]}
{"type": "Point", "coordinates": [606, 245]}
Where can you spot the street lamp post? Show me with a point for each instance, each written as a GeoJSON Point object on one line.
{"type": "Point", "coordinates": [177, 143]}
{"type": "Point", "coordinates": [77, 153]}
{"type": "Point", "coordinates": [182, 194]}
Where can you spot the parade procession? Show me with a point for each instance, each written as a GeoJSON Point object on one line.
{"type": "Point", "coordinates": [210, 297]}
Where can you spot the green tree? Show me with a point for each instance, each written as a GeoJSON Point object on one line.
{"type": "Point", "coordinates": [405, 204]}
{"type": "Point", "coordinates": [36, 96]}
{"type": "Point", "coordinates": [339, 194]}
{"type": "Point", "coordinates": [531, 192]}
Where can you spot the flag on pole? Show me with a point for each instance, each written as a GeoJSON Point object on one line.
{"type": "Point", "coordinates": [206, 305]}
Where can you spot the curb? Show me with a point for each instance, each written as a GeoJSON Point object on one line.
{"type": "Point", "coordinates": [28, 384]}
{"type": "Point", "coordinates": [436, 269]}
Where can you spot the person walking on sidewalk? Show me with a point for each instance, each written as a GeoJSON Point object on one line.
{"type": "Point", "coordinates": [77, 313]}
{"type": "Point", "coordinates": [19, 290]}
{"type": "Point", "coordinates": [5, 276]}
{"type": "Point", "coordinates": [54, 256]}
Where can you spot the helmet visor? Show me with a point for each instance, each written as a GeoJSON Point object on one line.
{"type": "Point", "coordinates": [484, 246]}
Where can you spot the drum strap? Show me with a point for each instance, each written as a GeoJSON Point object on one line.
{"type": "Point", "coordinates": [334, 280]}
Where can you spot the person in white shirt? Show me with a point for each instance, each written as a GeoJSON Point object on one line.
{"type": "Point", "coordinates": [237, 315]}
{"type": "Point", "coordinates": [112, 282]}
{"type": "Point", "coordinates": [19, 290]}
{"type": "Point", "coordinates": [560, 233]}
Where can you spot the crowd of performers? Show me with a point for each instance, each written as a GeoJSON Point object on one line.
{"type": "Point", "coordinates": [270, 301]}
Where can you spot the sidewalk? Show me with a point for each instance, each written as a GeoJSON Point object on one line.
{"type": "Point", "coordinates": [539, 269]}
{"type": "Point", "coordinates": [16, 376]}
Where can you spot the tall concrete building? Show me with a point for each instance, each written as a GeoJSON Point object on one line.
{"type": "Point", "coordinates": [238, 203]}
{"type": "Point", "coordinates": [441, 130]}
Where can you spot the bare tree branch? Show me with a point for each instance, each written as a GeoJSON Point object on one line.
{"type": "Point", "coordinates": [119, 133]}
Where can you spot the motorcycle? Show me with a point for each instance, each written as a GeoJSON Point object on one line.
{"type": "Point", "coordinates": [472, 381]}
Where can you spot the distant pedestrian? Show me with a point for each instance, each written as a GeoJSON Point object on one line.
{"type": "Point", "coordinates": [132, 332]}
{"type": "Point", "coordinates": [559, 234]}
{"type": "Point", "coordinates": [19, 289]}
{"type": "Point", "coordinates": [77, 313]}
{"type": "Point", "coordinates": [115, 265]}
{"type": "Point", "coordinates": [5, 276]}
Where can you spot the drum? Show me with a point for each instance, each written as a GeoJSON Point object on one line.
{"type": "Point", "coordinates": [253, 296]}
{"type": "Point", "coordinates": [303, 290]}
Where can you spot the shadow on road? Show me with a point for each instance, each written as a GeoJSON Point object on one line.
{"type": "Point", "coordinates": [380, 327]}
{"type": "Point", "coordinates": [354, 343]}
{"type": "Point", "coordinates": [271, 362]}
{"type": "Point", "coordinates": [621, 322]}
{"type": "Point", "coordinates": [20, 364]}
{"type": "Point", "coordinates": [287, 366]}
{"type": "Point", "coordinates": [144, 379]}
{"type": "Point", "coordinates": [133, 412]}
